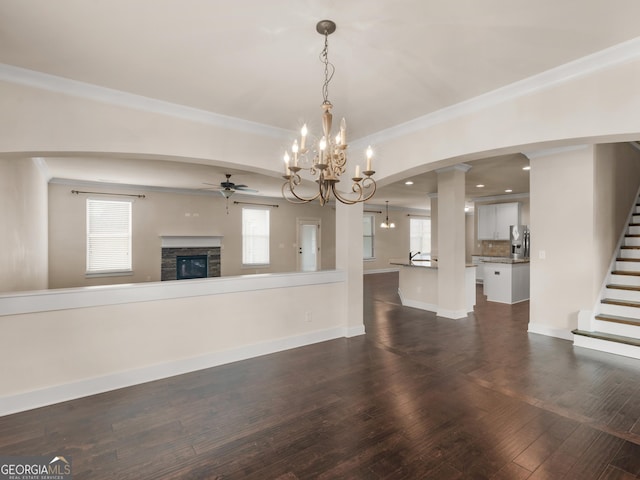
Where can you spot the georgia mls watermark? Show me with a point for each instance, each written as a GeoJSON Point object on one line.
{"type": "Point", "coordinates": [35, 468]}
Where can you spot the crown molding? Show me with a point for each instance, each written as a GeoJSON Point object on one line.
{"type": "Point", "coordinates": [45, 81]}
{"type": "Point", "coordinates": [495, 198]}
{"type": "Point", "coordinates": [463, 167]}
{"type": "Point", "coordinates": [615, 55]}
{"type": "Point", "coordinates": [601, 60]}
{"type": "Point", "coordinates": [553, 151]}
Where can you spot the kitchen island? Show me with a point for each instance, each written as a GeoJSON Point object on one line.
{"type": "Point", "coordinates": [506, 280]}
{"type": "Point", "coordinates": [418, 285]}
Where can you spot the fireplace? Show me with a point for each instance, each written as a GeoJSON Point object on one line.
{"type": "Point", "coordinates": [190, 257]}
{"type": "Point", "coordinates": [191, 266]}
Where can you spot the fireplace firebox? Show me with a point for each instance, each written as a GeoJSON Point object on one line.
{"type": "Point", "coordinates": [191, 266]}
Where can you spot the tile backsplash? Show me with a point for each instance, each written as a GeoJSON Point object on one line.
{"type": "Point", "coordinates": [500, 248]}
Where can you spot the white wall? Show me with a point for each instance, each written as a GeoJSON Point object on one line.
{"type": "Point", "coordinates": [69, 343]}
{"type": "Point", "coordinates": [579, 201]}
{"type": "Point", "coordinates": [165, 213]}
{"type": "Point", "coordinates": [23, 237]}
{"type": "Point", "coordinates": [617, 177]}
{"type": "Point", "coordinates": [563, 281]}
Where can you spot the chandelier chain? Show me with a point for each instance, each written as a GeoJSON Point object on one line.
{"type": "Point", "coordinates": [326, 159]}
{"type": "Point", "coordinates": [329, 69]}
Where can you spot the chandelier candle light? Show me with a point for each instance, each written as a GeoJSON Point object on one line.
{"type": "Point", "coordinates": [330, 154]}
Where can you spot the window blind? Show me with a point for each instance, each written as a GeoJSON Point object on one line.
{"type": "Point", "coordinates": [420, 235]}
{"type": "Point", "coordinates": [108, 235]}
{"type": "Point", "coordinates": [367, 236]}
{"type": "Point", "coordinates": [255, 236]}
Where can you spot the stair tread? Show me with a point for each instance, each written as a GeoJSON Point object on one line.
{"type": "Point", "coordinates": [618, 319]}
{"type": "Point", "coordinates": [632, 235]}
{"type": "Point", "coordinates": [621, 259]}
{"type": "Point", "coordinates": [630, 247]}
{"type": "Point", "coordinates": [617, 286]}
{"type": "Point", "coordinates": [626, 272]}
{"type": "Point", "coordinates": [609, 337]}
{"type": "Point", "coordinates": [624, 303]}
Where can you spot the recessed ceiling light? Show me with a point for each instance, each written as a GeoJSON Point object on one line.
{"type": "Point", "coordinates": [408, 182]}
{"type": "Point", "coordinates": [508, 190]}
{"type": "Point", "coordinates": [528, 167]}
{"type": "Point", "coordinates": [480, 185]}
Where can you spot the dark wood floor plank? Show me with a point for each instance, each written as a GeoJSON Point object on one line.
{"type": "Point", "coordinates": [595, 459]}
{"type": "Point", "coordinates": [417, 397]}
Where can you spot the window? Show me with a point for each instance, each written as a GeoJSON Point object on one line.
{"type": "Point", "coordinates": [367, 238]}
{"type": "Point", "coordinates": [255, 236]}
{"type": "Point", "coordinates": [108, 236]}
{"type": "Point", "coordinates": [420, 235]}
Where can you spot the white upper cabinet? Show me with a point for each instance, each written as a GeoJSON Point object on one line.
{"type": "Point", "coordinates": [486, 222]}
{"type": "Point", "coordinates": [494, 220]}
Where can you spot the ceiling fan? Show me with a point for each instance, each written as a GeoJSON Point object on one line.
{"type": "Point", "coordinates": [228, 188]}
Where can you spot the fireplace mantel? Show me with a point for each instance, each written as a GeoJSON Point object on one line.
{"type": "Point", "coordinates": [190, 241]}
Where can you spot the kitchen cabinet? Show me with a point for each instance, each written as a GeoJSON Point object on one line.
{"type": "Point", "coordinates": [494, 220]}
{"type": "Point", "coordinates": [479, 260]}
{"type": "Point", "coordinates": [506, 282]}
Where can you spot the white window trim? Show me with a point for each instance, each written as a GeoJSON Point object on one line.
{"type": "Point", "coordinates": [267, 264]}
{"type": "Point", "coordinates": [373, 237]}
{"type": "Point", "coordinates": [109, 272]}
{"type": "Point", "coordinates": [411, 221]}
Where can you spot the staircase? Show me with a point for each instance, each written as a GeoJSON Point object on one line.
{"type": "Point", "coordinates": [615, 328]}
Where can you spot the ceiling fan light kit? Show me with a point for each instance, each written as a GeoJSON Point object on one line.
{"type": "Point", "coordinates": [330, 154]}
{"type": "Point", "coordinates": [228, 188]}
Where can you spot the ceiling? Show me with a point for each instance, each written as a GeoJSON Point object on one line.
{"type": "Point", "coordinates": [258, 61]}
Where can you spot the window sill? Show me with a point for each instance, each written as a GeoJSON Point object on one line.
{"type": "Point", "coordinates": [257, 265]}
{"type": "Point", "coordinates": [121, 273]}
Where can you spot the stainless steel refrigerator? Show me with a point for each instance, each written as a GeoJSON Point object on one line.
{"type": "Point", "coordinates": [520, 238]}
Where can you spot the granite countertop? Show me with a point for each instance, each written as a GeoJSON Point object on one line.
{"type": "Point", "coordinates": [423, 264]}
{"type": "Point", "coordinates": [505, 260]}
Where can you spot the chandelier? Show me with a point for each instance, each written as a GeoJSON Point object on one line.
{"type": "Point", "coordinates": [386, 223]}
{"type": "Point", "coordinates": [327, 159]}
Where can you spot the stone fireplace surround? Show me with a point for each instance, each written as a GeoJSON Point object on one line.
{"type": "Point", "coordinates": [174, 246]}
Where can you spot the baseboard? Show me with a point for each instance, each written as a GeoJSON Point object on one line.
{"type": "Point", "coordinates": [430, 307]}
{"type": "Point", "coordinates": [381, 270]}
{"type": "Point", "coordinates": [550, 332]}
{"type": "Point", "coordinates": [92, 386]}
{"type": "Point", "coordinates": [355, 331]}
{"type": "Point", "coordinates": [452, 314]}
{"type": "Point", "coordinates": [607, 347]}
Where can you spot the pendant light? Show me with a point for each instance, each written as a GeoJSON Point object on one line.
{"type": "Point", "coordinates": [386, 223]}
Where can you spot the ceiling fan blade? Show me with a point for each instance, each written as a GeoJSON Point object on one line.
{"type": "Point", "coordinates": [245, 189]}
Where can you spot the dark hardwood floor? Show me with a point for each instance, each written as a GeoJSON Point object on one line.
{"type": "Point", "coordinates": [418, 397]}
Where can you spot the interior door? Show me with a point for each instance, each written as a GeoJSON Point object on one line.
{"type": "Point", "coordinates": [308, 245]}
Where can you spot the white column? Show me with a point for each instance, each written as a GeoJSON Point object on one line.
{"type": "Point", "coordinates": [349, 259]}
{"type": "Point", "coordinates": [433, 214]}
{"type": "Point", "coordinates": [451, 242]}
